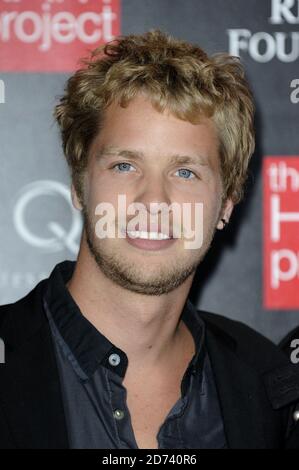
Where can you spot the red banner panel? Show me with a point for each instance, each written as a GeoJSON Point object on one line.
{"type": "Point", "coordinates": [50, 36]}
{"type": "Point", "coordinates": [281, 232]}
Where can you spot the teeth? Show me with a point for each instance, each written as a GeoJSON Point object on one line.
{"type": "Point", "coordinates": [147, 235]}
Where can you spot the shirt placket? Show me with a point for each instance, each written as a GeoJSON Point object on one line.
{"type": "Point", "coordinates": [120, 412]}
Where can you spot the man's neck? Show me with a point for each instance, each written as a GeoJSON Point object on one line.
{"type": "Point", "coordinates": [147, 328]}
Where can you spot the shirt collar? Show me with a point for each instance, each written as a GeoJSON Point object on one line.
{"type": "Point", "coordinates": [88, 345]}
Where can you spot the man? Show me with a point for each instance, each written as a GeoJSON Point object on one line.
{"type": "Point", "coordinates": [109, 352]}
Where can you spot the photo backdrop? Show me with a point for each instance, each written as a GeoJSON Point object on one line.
{"type": "Point", "coordinates": [251, 272]}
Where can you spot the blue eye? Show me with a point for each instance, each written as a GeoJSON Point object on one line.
{"type": "Point", "coordinates": [123, 166]}
{"type": "Point", "coordinates": [185, 173]}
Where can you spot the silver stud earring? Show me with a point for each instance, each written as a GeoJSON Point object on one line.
{"type": "Point", "coordinates": [224, 222]}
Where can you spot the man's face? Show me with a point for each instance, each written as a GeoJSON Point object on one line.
{"type": "Point", "coordinates": [148, 172]}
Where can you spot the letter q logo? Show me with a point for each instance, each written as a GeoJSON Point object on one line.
{"type": "Point", "coordinates": [60, 238]}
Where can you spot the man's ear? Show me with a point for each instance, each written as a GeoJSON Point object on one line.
{"type": "Point", "coordinates": [225, 214]}
{"type": "Point", "coordinates": [75, 199]}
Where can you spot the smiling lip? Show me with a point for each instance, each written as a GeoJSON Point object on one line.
{"type": "Point", "coordinates": [149, 244]}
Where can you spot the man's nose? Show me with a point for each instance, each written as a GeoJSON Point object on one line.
{"type": "Point", "coordinates": [154, 192]}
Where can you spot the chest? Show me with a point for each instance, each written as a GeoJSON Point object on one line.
{"type": "Point", "coordinates": [147, 415]}
{"type": "Point", "coordinates": [152, 394]}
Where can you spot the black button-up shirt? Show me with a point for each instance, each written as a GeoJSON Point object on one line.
{"type": "Point", "coordinates": [92, 369]}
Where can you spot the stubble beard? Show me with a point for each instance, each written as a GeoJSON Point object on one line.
{"type": "Point", "coordinates": [116, 267]}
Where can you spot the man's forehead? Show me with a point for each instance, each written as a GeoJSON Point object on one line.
{"type": "Point", "coordinates": [203, 152]}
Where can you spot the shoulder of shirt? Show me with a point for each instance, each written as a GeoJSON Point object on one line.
{"type": "Point", "coordinates": [244, 340]}
{"type": "Point", "coordinates": [21, 319]}
{"type": "Point", "coordinates": [257, 353]}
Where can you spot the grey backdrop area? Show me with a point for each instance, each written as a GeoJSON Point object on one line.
{"type": "Point", "coordinates": [38, 226]}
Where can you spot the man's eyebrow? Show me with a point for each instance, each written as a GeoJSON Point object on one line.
{"type": "Point", "coordinates": [126, 153]}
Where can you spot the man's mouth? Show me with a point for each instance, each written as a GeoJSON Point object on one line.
{"type": "Point", "coordinates": [147, 235]}
{"type": "Point", "coordinates": [149, 240]}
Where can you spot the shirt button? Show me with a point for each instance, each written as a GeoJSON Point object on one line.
{"type": "Point", "coordinates": [296, 415]}
{"type": "Point", "coordinates": [114, 359]}
{"type": "Point", "coordinates": [118, 414]}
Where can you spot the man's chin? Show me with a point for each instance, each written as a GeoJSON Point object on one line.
{"type": "Point", "coordinates": [131, 269]}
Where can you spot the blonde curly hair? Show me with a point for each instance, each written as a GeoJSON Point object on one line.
{"type": "Point", "coordinates": [175, 75]}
